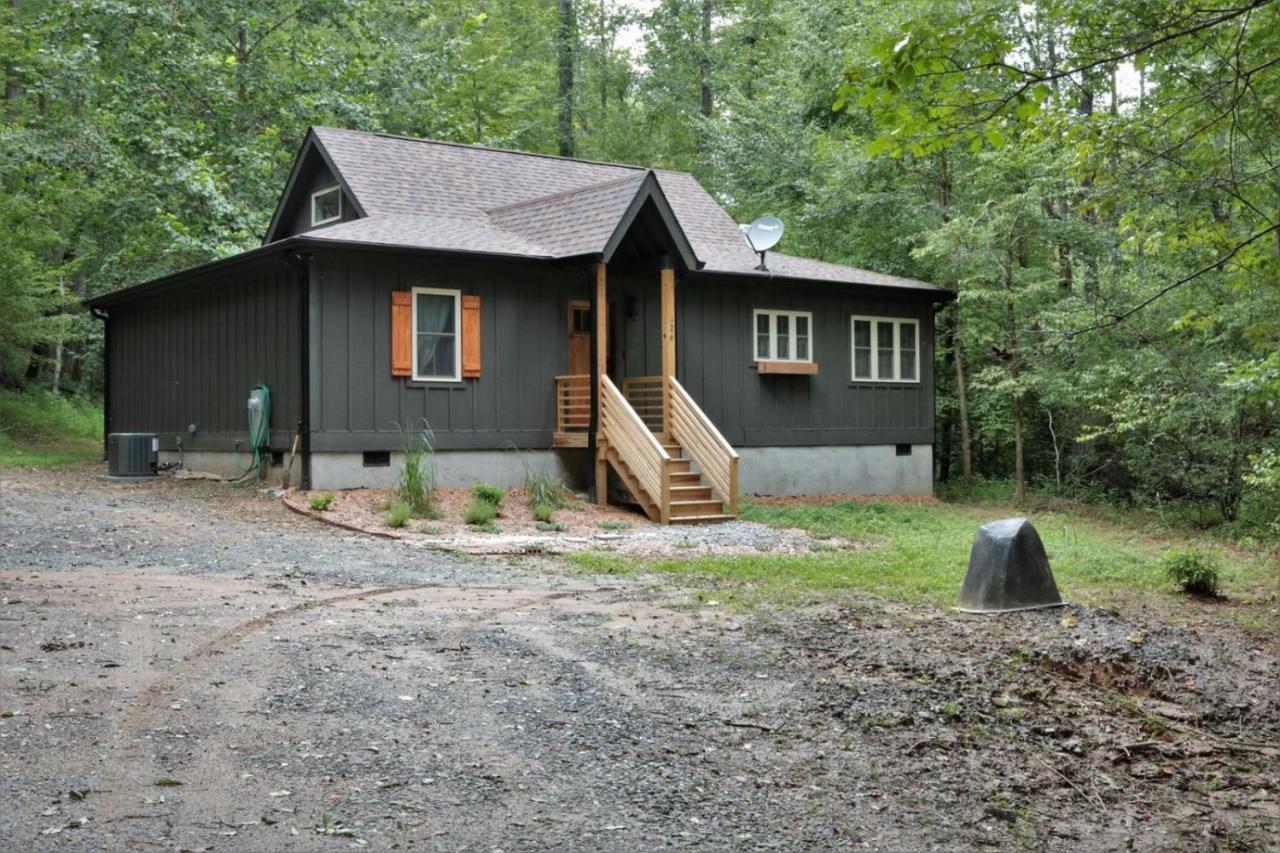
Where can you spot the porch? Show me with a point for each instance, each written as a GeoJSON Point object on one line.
{"type": "Point", "coordinates": [663, 448]}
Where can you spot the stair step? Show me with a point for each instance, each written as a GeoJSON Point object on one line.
{"type": "Point", "coordinates": [680, 466]}
{"type": "Point", "coordinates": [690, 492]}
{"type": "Point", "coordinates": [685, 478]}
{"type": "Point", "coordinates": [672, 449]}
{"type": "Point", "coordinates": [699, 507]}
{"type": "Point", "coordinates": [700, 519]}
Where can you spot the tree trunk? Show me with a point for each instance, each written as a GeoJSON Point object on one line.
{"type": "Point", "coordinates": [1019, 475]}
{"type": "Point", "coordinates": [704, 59]}
{"type": "Point", "coordinates": [962, 403]}
{"type": "Point", "coordinates": [1011, 330]}
{"type": "Point", "coordinates": [957, 344]}
{"type": "Point", "coordinates": [564, 61]}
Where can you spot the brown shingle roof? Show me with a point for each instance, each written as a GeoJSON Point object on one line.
{"type": "Point", "coordinates": [452, 197]}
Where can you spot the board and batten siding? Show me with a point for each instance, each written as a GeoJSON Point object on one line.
{"type": "Point", "coordinates": [356, 403]}
{"type": "Point", "coordinates": [193, 355]}
{"type": "Point", "coordinates": [715, 362]}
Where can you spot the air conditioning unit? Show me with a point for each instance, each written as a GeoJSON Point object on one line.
{"type": "Point", "coordinates": [132, 454]}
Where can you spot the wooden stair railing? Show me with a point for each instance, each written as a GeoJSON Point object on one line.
{"type": "Point", "coordinates": [693, 431]}
{"type": "Point", "coordinates": [635, 453]}
{"type": "Point", "coordinates": [644, 393]}
{"type": "Point", "coordinates": [573, 410]}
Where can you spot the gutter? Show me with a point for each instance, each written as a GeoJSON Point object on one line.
{"type": "Point", "coordinates": [300, 262]}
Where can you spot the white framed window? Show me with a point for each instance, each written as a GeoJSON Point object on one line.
{"type": "Point", "coordinates": [326, 205]}
{"type": "Point", "coordinates": [437, 346]}
{"type": "Point", "coordinates": [885, 349]}
{"type": "Point", "coordinates": [783, 335]}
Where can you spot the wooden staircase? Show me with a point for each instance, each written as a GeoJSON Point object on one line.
{"type": "Point", "coordinates": [692, 497]}
{"type": "Point", "coordinates": [671, 458]}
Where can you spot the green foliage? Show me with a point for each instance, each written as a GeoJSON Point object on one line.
{"type": "Point", "coordinates": [1053, 163]}
{"type": "Point", "coordinates": [322, 502]}
{"type": "Point", "coordinates": [543, 487]}
{"type": "Point", "coordinates": [544, 512]}
{"type": "Point", "coordinates": [490, 494]}
{"type": "Point", "coordinates": [39, 428]}
{"type": "Point", "coordinates": [480, 512]}
{"type": "Point", "coordinates": [398, 514]}
{"type": "Point", "coordinates": [550, 527]}
{"type": "Point", "coordinates": [1195, 572]}
{"type": "Point", "coordinates": [612, 524]}
{"type": "Point", "coordinates": [920, 553]}
{"type": "Point", "coordinates": [416, 485]}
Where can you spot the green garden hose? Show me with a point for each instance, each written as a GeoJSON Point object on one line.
{"type": "Point", "coordinates": [259, 414]}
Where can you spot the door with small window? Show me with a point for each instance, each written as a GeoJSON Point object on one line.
{"type": "Point", "coordinates": [579, 337]}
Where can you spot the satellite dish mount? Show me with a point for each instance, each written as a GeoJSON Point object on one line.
{"type": "Point", "coordinates": [762, 235]}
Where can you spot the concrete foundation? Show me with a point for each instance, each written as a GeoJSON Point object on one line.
{"type": "Point", "coordinates": [219, 462]}
{"type": "Point", "coordinates": [861, 470]}
{"type": "Point", "coordinates": [454, 469]}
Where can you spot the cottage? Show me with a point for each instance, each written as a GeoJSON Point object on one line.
{"type": "Point", "coordinates": [611, 314]}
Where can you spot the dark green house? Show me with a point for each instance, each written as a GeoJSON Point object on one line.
{"type": "Point", "coordinates": [611, 314]}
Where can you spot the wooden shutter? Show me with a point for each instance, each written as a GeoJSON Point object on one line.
{"type": "Point", "coordinates": [401, 333]}
{"type": "Point", "coordinates": [470, 336]}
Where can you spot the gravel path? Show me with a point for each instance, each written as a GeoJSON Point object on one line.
{"type": "Point", "coordinates": [184, 666]}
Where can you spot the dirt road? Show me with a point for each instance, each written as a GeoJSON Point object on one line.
{"type": "Point", "coordinates": [185, 666]}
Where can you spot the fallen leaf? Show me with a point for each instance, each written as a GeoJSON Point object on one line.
{"type": "Point", "coordinates": [1136, 638]}
{"type": "Point", "coordinates": [166, 782]}
{"type": "Point", "coordinates": [1069, 620]}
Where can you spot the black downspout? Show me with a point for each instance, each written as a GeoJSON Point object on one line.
{"type": "Point", "coordinates": [106, 378]}
{"type": "Point", "coordinates": [593, 423]}
{"type": "Point", "coordinates": [301, 263]}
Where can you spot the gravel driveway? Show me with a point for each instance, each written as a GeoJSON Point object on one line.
{"type": "Point", "coordinates": [190, 666]}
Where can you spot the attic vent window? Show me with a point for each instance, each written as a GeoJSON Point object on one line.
{"type": "Point", "coordinates": [326, 206]}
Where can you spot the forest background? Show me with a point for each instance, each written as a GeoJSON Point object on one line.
{"type": "Point", "coordinates": [1099, 183]}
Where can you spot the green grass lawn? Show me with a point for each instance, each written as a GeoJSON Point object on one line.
{"type": "Point", "coordinates": [919, 553]}
{"type": "Point", "coordinates": [44, 429]}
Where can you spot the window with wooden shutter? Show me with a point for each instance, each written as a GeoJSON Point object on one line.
{"type": "Point", "coordinates": [401, 333]}
{"type": "Point", "coordinates": [470, 336]}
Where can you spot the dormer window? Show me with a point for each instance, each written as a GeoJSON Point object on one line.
{"type": "Point", "coordinates": [326, 206]}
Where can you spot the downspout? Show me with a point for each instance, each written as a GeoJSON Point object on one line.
{"type": "Point", "coordinates": [301, 264]}
{"type": "Point", "coordinates": [99, 314]}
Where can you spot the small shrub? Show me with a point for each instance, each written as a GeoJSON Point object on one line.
{"type": "Point", "coordinates": [551, 527]}
{"type": "Point", "coordinates": [612, 524]}
{"type": "Point", "coordinates": [431, 529]}
{"type": "Point", "coordinates": [490, 494]}
{"type": "Point", "coordinates": [543, 512]}
{"type": "Point", "coordinates": [480, 512]}
{"type": "Point", "coordinates": [398, 514]}
{"type": "Point", "coordinates": [1196, 572]}
{"type": "Point", "coordinates": [543, 487]}
{"type": "Point", "coordinates": [416, 485]}
{"type": "Point", "coordinates": [488, 527]}
{"type": "Point", "coordinates": [321, 502]}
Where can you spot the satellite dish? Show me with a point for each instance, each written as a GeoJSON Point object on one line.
{"type": "Point", "coordinates": [763, 235]}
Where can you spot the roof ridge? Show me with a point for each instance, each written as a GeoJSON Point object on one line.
{"type": "Point", "coordinates": [475, 146]}
{"type": "Point", "coordinates": [543, 199]}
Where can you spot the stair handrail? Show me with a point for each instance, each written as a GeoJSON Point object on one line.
{"type": "Point", "coordinates": [639, 448]}
{"type": "Point", "coordinates": [697, 435]}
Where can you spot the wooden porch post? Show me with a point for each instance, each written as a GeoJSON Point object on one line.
{"type": "Point", "coordinates": [668, 343]}
{"type": "Point", "coordinates": [601, 369]}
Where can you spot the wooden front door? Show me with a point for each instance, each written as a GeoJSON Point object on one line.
{"type": "Point", "coordinates": [579, 337]}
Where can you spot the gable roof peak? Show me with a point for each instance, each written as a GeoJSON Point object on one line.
{"type": "Point", "coordinates": [478, 146]}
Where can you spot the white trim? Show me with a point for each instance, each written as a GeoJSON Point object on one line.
{"type": "Point", "coordinates": [317, 194]}
{"type": "Point", "coordinates": [897, 322]}
{"type": "Point", "coordinates": [773, 314]}
{"type": "Point", "coordinates": [457, 334]}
